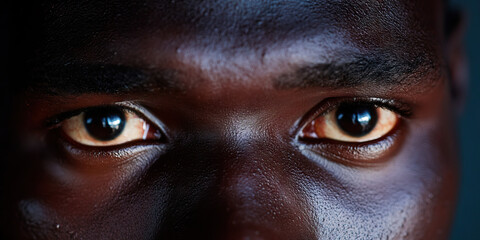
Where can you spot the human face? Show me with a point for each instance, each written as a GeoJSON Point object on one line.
{"type": "Point", "coordinates": [235, 113]}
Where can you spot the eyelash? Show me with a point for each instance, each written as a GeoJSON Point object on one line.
{"type": "Point", "coordinates": [329, 104]}
{"type": "Point", "coordinates": [55, 122]}
{"type": "Point", "coordinates": [75, 153]}
{"type": "Point", "coordinates": [362, 154]}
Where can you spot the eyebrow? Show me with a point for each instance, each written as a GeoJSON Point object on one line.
{"type": "Point", "coordinates": [380, 70]}
{"type": "Point", "coordinates": [76, 79]}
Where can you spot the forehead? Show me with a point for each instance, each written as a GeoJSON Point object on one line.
{"type": "Point", "coordinates": [245, 39]}
{"type": "Point", "coordinates": [365, 24]}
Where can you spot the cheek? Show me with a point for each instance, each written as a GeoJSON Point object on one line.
{"type": "Point", "coordinates": [72, 198]}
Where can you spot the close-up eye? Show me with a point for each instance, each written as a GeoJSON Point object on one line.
{"type": "Point", "coordinates": [352, 122]}
{"type": "Point", "coordinates": [355, 132]}
{"type": "Point", "coordinates": [108, 126]}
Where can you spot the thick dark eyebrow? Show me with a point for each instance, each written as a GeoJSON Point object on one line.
{"type": "Point", "coordinates": [76, 79]}
{"type": "Point", "coordinates": [361, 70]}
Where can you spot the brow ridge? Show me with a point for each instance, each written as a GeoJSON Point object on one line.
{"type": "Point", "coordinates": [380, 70]}
{"type": "Point", "coordinates": [75, 79]}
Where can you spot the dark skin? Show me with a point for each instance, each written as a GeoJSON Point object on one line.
{"type": "Point", "coordinates": [232, 88]}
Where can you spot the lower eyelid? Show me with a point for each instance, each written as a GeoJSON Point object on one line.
{"type": "Point", "coordinates": [109, 156]}
{"type": "Point", "coordinates": [364, 154]}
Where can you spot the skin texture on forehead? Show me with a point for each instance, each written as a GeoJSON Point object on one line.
{"type": "Point", "coordinates": [232, 81]}
{"type": "Point", "coordinates": [259, 39]}
{"type": "Point", "coordinates": [211, 28]}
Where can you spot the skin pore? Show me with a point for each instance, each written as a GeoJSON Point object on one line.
{"type": "Point", "coordinates": [238, 97]}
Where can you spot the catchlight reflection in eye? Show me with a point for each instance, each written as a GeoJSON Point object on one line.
{"type": "Point", "coordinates": [108, 126]}
{"type": "Point", "coordinates": [355, 122]}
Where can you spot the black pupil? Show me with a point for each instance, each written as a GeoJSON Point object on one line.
{"type": "Point", "coordinates": [104, 123]}
{"type": "Point", "coordinates": [356, 120]}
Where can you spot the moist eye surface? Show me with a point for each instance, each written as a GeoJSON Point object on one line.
{"type": "Point", "coordinates": [356, 120]}
{"type": "Point", "coordinates": [104, 123]}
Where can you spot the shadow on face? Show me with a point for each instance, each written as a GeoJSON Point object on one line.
{"type": "Point", "coordinates": [234, 120]}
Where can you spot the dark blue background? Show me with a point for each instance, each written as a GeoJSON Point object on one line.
{"type": "Point", "coordinates": [467, 220]}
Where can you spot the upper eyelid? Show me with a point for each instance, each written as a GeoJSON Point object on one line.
{"type": "Point", "coordinates": [127, 105]}
{"type": "Point", "coordinates": [137, 108]}
{"type": "Point", "coordinates": [329, 104]}
{"type": "Point", "coordinates": [392, 105]}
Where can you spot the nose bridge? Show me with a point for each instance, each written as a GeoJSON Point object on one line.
{"type": "Point", "coordinates": [256, 186]}
{"type": "Point", "coordinates": [249, 168]}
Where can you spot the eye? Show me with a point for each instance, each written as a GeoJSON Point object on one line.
{"type": "Point", "coordinates": [108, 126]}
{"type": "Point", "coordinates": [352, 122]}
